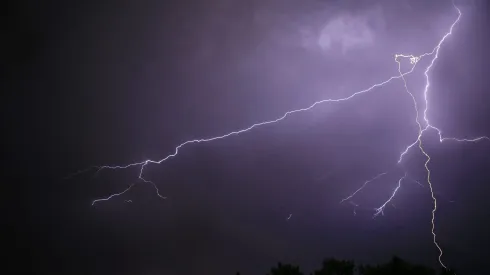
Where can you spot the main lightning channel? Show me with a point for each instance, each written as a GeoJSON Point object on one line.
{"type": "Point", "coordinates": [414, 60]}
{"type": "Point", "coordinates": [144, 163]}
{"type": "Point", "coordinates": [428, 126]}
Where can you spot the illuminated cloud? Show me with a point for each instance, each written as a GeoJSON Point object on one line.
{"type": "Point", "coordinates": [346, 32]}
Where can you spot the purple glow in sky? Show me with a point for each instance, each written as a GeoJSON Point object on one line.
{"type": "Point", "coordinates": [231, 134]}
{"type": "Point", "coordinates": [344, 34]}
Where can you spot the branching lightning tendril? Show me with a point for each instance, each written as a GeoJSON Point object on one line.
{"type": "Point", "coordinates": [113, 195]}
{"type": "Point", "coordinates": [423, 127]}
{"type": "Point", "coordinates": [362, 187]}
{"type": "Point", "coordinates": [380, 209]}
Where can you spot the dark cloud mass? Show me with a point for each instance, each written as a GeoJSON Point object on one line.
{"type": "Point", "coordinates": [114, 82]}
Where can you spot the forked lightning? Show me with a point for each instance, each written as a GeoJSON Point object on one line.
{"type": "Point", "coordinates": [423, 126]}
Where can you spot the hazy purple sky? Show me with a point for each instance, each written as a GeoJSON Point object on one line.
{"type": "Point", "coordinates": [119, 82]}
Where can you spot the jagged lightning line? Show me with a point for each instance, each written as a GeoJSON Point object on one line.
{"type": "Point", "coordinates": [362, 187]}
{"type": "Point", "coordinates": [414, 60]}
{"type": "Point", "coordinates": [127, 189]}
{"type": "Point", "coordinates": [429, 126]}
{"type": "Point", "coordinates": [143, 164]}
{"type": "Point", "coordinates": [380, 210]}
{"type": "Point", "coordinates": [113, 195]}
{"type": "Point", "coordinates": [237, 132]}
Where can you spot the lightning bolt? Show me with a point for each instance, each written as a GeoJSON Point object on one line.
{"type": "Point", "coordinates": [113, 195]}
{"type": "Point", "coordinates": [362, 187]}
{"type": "Point", "coordinates": [429, 126]}
{"type": "Point", "coordinates": [380, 210]}
{"type": "Point", "coordinates": [421, 130]}
{"type": "Point", "coordinates": [423, 127]}
{"type": "Point", "coordinates": [144, 163]}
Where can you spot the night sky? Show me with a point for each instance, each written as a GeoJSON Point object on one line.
{"type": "Point", "coordinates": [115, 82]}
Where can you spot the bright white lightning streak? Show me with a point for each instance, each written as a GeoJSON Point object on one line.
{"type": "Point", "coordinates": [143, 164]}
{"type": "Point", "coordinates": [428, 125]}
{"type": "Point", "coordinates": [380, 210]}
{"type": "Point", "coordinates": [414, 60]}
{"type": "Point", "coordinates": [362, 187]}
{"type": "Point", "coordinates": [426, 91]}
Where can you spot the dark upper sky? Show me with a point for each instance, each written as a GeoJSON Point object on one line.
{"type": "Point", "coordinates": [101, 82]}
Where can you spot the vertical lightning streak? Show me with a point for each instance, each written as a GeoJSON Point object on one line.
{"type": "Point", "coordinates": [429, 126]}
{"type": "Point", "coordinates": [435, 205]}
{"type": "Point", "coordinates": [426, 91]}
{"type": "Point", "coordinates": [435, 51]}
{"type": "Point", "coordinates": [413, 60]}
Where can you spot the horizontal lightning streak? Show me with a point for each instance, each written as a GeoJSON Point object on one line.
{"type": "Point", "coordinates": [143, 164]}
{"type": "Point", "coordinates": [237, 132]}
